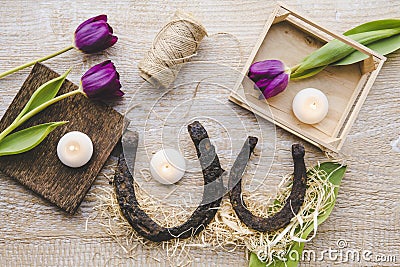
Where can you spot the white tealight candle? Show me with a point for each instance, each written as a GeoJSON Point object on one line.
{"type": "Point", "coordinates": [310, 106]}
{"type": "Point", "coordinates": [75, 149]}
{"type": "Point", "coordinates": [167, 166]}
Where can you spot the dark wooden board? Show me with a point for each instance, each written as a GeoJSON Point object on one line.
{"type": "Point", "coordinates": [40, 169]}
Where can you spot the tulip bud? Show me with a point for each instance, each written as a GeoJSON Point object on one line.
{"type": "Point", "coordinates": [272, 87]}
{"type": "Point", "coordinates": [102, 81]}
{"type": "Point", "coordinates": [270, 76]}
{"type": "Point", "coordinates": [265, 69]}
{"type": "Point", "coordinates": [94, 35]}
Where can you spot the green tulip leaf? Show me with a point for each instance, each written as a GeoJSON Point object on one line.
{"type": "Point", "coordinates": [25, 140]}
{"type": "Point", "coordinates": [374, 26]}
{"type": "Point", "coordinates": [336, 50]}
{"type": "Point", "coordinates": [44, 93]}
{"type": "Point", "coordinates": [383, 47]}
{"type": "Point", "coordinates": [335, 173]}
{"type": "Point", "coordinates": [255, 262]}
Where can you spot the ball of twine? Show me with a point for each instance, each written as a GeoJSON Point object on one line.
{"type": "Point", "coordinates": [176, 43]}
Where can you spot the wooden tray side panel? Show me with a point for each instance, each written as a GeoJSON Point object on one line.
{"type": "Point", "coordinates": [40, 169]}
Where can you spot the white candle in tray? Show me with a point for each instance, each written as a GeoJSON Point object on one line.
{"type": "Point", "coordinates": [310, 106]}
{"type": "Point", "coordinates": [167, 166]}
{"type": "Point", "coordinates": [75, 149]}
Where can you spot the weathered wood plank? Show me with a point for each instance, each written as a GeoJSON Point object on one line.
{"type": "Point", "coordinates": [40, 169]}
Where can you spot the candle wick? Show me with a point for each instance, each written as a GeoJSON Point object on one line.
{"type": "Point", "coordinates": [313, 106]}
{"type": "Point", "coordinates": [73, 148]}
{"type": "Point", "coordinates": [165, 167]}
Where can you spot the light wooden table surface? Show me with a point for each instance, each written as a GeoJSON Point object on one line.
{"type": "Point", "coordinates": [367, 215]}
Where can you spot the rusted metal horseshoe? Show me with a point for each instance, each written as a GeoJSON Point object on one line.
{"type": "Point", "coordinates": [293, 202]}
{"type": "Point", "coordinates": [204, 213]}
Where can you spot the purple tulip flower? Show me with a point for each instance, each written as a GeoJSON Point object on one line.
{"type": "Point", "coordinates": [94, 35]}
{"type": "Point", "coordinates": [269, 76]}
{"type": "Point", "coordinates": [102, 81]}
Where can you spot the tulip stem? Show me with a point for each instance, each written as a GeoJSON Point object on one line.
{"type": "Point", "coordinates": [16, 123]}
{"type": "Point", "coordinates": [294, 68]}
{"type": "Point", "coordinates": [4, 74]}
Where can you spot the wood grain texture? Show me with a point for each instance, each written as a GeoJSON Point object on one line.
{"type": "Point", "coordinates": [367, 215]}
{"type": "Point", "coordinates": [40, 169]}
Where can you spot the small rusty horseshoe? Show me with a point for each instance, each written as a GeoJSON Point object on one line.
{"type": "Point", "coordinates": [293, 202]}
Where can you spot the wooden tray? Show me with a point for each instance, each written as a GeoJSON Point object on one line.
{"type": "Point", "coordinates": [290, 37]}
{"type": "Point", "coordinates": [40, 169]}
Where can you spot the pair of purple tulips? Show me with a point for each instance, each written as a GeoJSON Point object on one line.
{"type": "Point", "coordinates": [102, 80]}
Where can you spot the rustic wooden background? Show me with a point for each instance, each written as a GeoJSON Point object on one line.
{"type": "Point", "coordinates": [367, 215]}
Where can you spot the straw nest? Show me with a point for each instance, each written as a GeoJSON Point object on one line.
{"type": "Point", "coordinates": [226, 232]}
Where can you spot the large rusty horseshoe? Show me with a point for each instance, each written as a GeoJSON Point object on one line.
{"type": "Point", "coordinates": [204, 213]}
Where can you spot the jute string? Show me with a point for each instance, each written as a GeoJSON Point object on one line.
{"type": "Point", "coordinates": [176, 43]}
